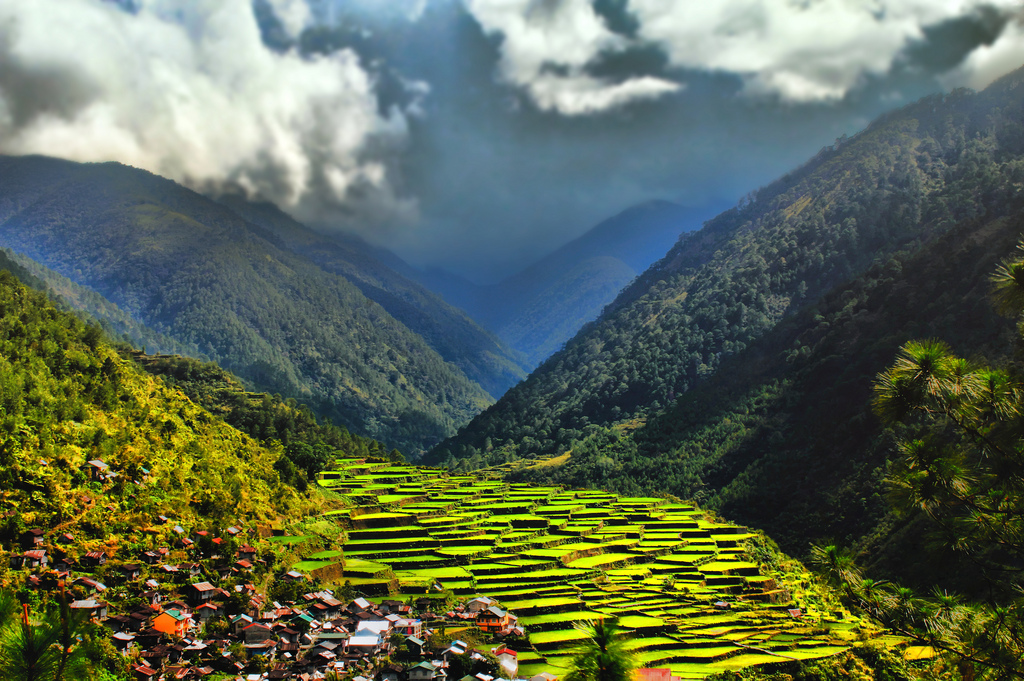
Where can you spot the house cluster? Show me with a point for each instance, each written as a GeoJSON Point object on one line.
{"type": "Point", "coordinates": [309, 639]}
{"type": "Point", "coordinates": [487, 616]}
{"type": "Point", "coordinates": [185, 626]}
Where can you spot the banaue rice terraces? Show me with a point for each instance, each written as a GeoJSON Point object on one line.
{"type": "Point", "coordinates": [699, 596]}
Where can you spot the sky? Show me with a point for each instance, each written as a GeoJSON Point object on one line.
{"type": "Point", "coordinates": [477, 135]}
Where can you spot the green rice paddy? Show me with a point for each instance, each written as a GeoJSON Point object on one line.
{"type": "Point", "coordinates": [695, 602]}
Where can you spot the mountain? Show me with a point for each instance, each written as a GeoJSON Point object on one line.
{"type": "Point", "coordinates": [225, 289]}
{"type": "Point", "coordinates": [457, 338]}
{"type": "Point", "coordinates": [738, 369]}
{"type": "Point", "coordinates": [535, 311]}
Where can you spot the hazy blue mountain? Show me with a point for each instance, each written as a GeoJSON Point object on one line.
{"type": "Point", "coordinates": [535, 311]}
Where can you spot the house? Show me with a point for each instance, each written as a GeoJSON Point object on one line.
{"type": "Point", "coordinates": [415, 645]}
{"type": "Point", "coordinates": [32, 539]}
{"type": "Point", "coordinates": [30, 559]}
{"type": "Point", "coordinates": [96, 469]}
{"type": "Point", "coordinates": [94, 559]}
{"type": "Point", "coordinates": [544, 676]}
{"type": "Point", "coordinates": [479, 604]}
{"type": "Point", "coordinates": [92, 608]}
{"type": "Point", "coordinates": [380, 627]}
{"type": "Point", "coordinates": [191, 569]}
{"type": "Point", "coordinates": [206, 611]}
{"type": "Point", "coordinates": [144, 673]}
{"type": "Point", "coordinates": [654, 675]}
{"type": "Point", "coordinates": [153, 597]}
{"type": "Point", "coordinates": [257, 633]}
{"type": "Point", "coordinates": [508, 659]}
{"type": "Point", "coordinates": [493, 619]}
{"type": "Point", "coordinates": [424, 671]}
{"type": "Point", "coordinates": [247, 553]}
{"type": "Point", "coordinates": [200, 593]}
{"type": "Point", "coordinates": [408, 627]}
{"type": "Point", "coordinates": [122, 641]}
{"type": "Point", "coordinates": [173, 622]}
{"type": "Point", "coordinates": [293, 576]}
{"type": "Point", "coordinates": [359, 605]}
{"type": "Point", "coordinates": [131, 572]}
{"type": "Point", "coordinates": [90, 583]}
{"type": "Point", "coordinates": [240, 622]}
{"type": "Point", "coordinates": [366, 643]}
{"type": "Point", "coordinates": [151, 557]}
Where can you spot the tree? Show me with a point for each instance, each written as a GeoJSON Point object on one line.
{"type": "Point", "coordinates": [960, 432]}
{"type": "Point", "coordinates": [43, 647]}
{"type": "Point", "coordinates": [603, 655]}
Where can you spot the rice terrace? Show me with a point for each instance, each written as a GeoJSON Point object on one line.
{"type": "Point", "coordinates": [689, 589]}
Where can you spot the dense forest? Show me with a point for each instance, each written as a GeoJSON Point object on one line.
{"type": "Point", "coordinates": [737, 370]}
{"type": "Point", "coordinates": [189, 269]}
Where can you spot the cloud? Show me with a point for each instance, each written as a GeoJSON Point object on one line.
{"type": "Point", "coordinates": [547, 47]}
{"type": "Point", "coordinates": [989, 62]}
{"type": "Point", "coordinates": [800, 51]}
{"type": "Point", "coordinates": [808, 51]}
{"type": "Point", "coordinates": [190, 91]}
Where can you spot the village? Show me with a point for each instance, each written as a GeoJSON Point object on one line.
{"type": "Point", "coordinates": [180, 625]}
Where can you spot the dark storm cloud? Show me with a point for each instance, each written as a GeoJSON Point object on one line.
{"type": "Point", "coordinates": [944, 45]}
{"type": "Point", "coordinates": [30, 90]}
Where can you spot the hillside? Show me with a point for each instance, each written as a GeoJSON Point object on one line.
{"type": "Point", "coordinates": [722, 301]}
{"type": "Point", "coordinates": [68, 398]}
{"type": "Point", "coordinates": [224, 289]}
{"type": "Point", "coordinates": [103, 459]}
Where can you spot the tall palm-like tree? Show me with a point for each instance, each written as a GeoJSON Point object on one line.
{"type": "Point", "coordinates": [39, 647]}
{"type": "Point", "coordinates": [603, 655]}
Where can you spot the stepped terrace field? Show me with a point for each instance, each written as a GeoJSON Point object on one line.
{"type": "Point", "coordinates": [687, 586]}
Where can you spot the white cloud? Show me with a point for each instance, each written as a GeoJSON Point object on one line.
{"type": "Point", "coordinates": [546, 47]}
{"type": "Point", "coordinates": [989, 62]}
{"type": "Point", "coordinates": [797, 50]}
{"type": "Point", "coordinates": [802, 51]}
{"type": "Point", "coordinates": [189, 91]}
{"type": "Point", "coordinates": [294, 15]}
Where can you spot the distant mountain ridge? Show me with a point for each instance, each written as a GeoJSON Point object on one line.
{"type": "Point", "coordinates": [538, 309]}
{"type": "Point", "coordinates": [195, 271]}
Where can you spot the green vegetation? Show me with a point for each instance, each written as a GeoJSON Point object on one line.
{"type": "Point", "coordinates": [602, 656]}
{"type": "Point", "coordinates": [41, 646]}
{"type": "Point", "coordinates": [67, 398]}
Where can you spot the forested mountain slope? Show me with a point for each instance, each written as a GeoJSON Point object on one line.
{"type": "Point", "coordinates": [947, 165]}
{"type": "Point", "coordinates": [193, 270]}
{"type": "Point", "coordinates": [448, 330]}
